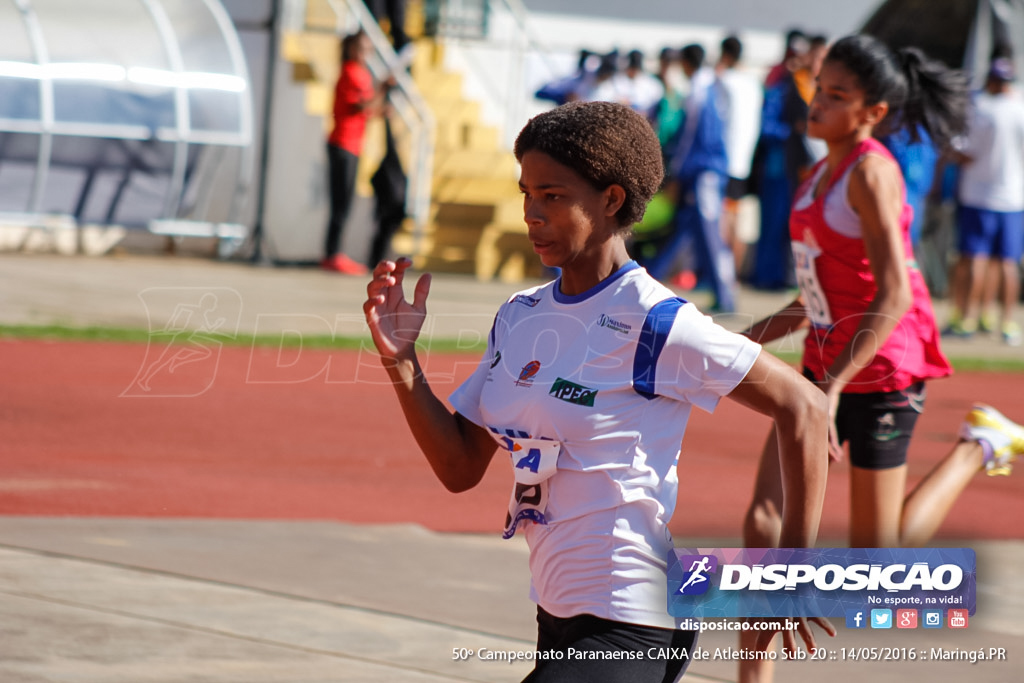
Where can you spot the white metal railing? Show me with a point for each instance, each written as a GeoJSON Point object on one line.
{"type": "Point", "coordinates": [525, 43]}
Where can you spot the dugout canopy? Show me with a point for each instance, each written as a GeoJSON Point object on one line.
{"type": "Point", "coordinates": [129, 112]}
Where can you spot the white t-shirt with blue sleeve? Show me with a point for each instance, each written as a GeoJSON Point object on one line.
{"type": "Point", "coordinates": [589, 396]}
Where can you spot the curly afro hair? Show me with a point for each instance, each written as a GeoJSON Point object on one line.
{"type": "Point", "coordinates": [606, 144]}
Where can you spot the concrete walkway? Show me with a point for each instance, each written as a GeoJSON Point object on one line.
{"type": "Point", "coordinates": [130, 601]}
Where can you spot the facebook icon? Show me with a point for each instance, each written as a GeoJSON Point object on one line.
{"type": "Point", "coordinates": [855, 618]}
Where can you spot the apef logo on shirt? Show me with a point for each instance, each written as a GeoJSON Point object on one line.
{"type": "Point", "coordinates": [570, 392]}
{"type": "Point", "coordinates": [696, 580]}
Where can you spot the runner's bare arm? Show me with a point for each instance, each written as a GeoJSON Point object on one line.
{"type": "Point", "coordinates": [458, 450]}
{"type": "Point", "coordinates": [790, 319]}
{"type": "Point", "coordinates": [875, 194]}
{"type": "Point", "coordinates": [800, 412]}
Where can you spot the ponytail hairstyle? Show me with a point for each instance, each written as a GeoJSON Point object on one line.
{"type": "Point", "coordinates": [919, 91]}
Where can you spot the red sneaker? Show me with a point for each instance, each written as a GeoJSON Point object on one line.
{"type": "Point", "coordinates": [341, 263]}
{"type": "Point", "coordinates": [685, 280]}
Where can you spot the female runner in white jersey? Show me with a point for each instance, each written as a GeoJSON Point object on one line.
{"type": "Point", "coordinates": [587, 385]}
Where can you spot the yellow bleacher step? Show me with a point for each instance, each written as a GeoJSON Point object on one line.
{"type": "Point", "coordinates": [462, 135]}
{"type": "Point", "coordinates": [320, 101]}
{"type": "Point", "coordinates": [439, 85]}
{"type": "Point", "coordinates": [320, 15]}
{"type": "Point", "coordinates": [462, 214]}
{"type": "Point", "coordinates": [427, 55]}
{"type": "Point", "coordinates": [510, 212]}
{"type": "Point", "coordinates": [469, 190]}
{"type": "Point", "coordinates": [293, 48]}
{"type": "Point", "coordinates": [476, 163]}
{"type": "Point", "coordinates": [454, 110]}
{"type": "Point", "coordinates": [324, 52]}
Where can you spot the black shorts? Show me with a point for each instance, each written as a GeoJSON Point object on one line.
{"type": "Point", "coordinates": [649, 653]}
{"type": "Point", "coordinates": [879, 425]}
{"type": "Point", "coordinates": [736, 188]}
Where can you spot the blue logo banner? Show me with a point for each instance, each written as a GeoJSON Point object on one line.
{"type": "Point", "coordinates": [818, 582]}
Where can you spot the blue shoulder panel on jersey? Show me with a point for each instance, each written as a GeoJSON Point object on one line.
{"type": "Point", "coordinates": [651, 342]}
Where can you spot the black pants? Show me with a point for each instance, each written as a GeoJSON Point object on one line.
{"type": "Point", "coordinates": [342, 167]}
{"type": "Point", "coordinates": [394, 10]}
{"type": "Point", "coordinates": [661, 650]}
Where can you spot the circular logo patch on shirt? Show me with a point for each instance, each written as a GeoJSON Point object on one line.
{"type": "Point", "coordinates": [527, 374]}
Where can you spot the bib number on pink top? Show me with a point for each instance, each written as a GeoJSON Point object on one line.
{"type": "Point", "coordinates": [810, 287]}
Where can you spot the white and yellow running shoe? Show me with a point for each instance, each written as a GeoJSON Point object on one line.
{"type": "Point", "coordinates": [1006, 438]}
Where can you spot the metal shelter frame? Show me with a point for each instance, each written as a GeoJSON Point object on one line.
{"type": "Point", "coordinates": [177, 79]}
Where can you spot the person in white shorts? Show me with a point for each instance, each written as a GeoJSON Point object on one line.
{"type": "Point", "coordinates": [585, 390]}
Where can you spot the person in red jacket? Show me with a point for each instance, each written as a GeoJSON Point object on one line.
{"type": "Point", "coordinates": [356, 98]}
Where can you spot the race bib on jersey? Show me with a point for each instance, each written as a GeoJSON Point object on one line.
{"type": "Point", "coordinates": [810, 287]}
{"type": "Point", "coordinates": [534, 461]}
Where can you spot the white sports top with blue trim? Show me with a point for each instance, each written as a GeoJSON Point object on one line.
{"type": "Point", "coordinates": [589, 396]}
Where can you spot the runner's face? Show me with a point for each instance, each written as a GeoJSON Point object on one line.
{"type": "Point", "coordinates": [567, 219]}
{"type": "Point", "coordinates": [838, 109]}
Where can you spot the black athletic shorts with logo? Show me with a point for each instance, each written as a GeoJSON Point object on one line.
{"type": "Point", "coordinates": [661, 650]}
{"type": "Point", "coordinates": [878, 425]}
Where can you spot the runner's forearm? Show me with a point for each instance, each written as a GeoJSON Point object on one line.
{"type": "Point", "coordinates": [458, 451]}
{"type": "Point", "coordinates": [791, 318]}
{"type": "Point", "coordinates": [802, 429]}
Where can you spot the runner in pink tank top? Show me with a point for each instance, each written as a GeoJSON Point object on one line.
{"type": "Point", "coordinates": [872, 339]}
{"type": "Point", "coordinates": [838, 287]}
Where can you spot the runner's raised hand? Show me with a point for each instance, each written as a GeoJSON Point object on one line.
{"type": "Point", "coordinates": [395, 324]}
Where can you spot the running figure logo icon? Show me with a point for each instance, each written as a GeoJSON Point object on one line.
{"type": "Point", "coordinates": [696, 581]}
{"type": "Point", "coordinates": [187, 330]}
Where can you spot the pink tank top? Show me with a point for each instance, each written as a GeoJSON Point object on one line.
{"type": "Point", "coordinates": [837, 286]}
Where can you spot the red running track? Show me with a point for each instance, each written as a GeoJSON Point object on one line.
{"type": "Point", "coordinates": [244, 433]}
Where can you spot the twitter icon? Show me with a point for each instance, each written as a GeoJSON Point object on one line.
{"type": "Point", "coordinates": [881, 618]}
